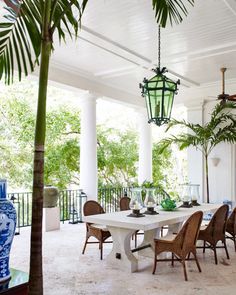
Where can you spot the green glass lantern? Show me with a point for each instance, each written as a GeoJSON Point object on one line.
{"type": "Point", "coordinates": [159, 92]}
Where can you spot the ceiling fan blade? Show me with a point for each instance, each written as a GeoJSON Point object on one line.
{"type": "Point", "coordinates": [232, 97]}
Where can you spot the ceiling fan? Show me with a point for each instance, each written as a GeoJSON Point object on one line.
{"type": "Point", "coordinates": [223, 96]}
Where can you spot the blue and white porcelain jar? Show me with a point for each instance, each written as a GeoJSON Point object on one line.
{"type": "Point", "coordinates": [7, 231]}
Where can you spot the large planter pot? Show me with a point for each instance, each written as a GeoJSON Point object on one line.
{"type": "Point", "coordinates": [50, 197]}
{"type": "Point", "coordinates": [7, 231]}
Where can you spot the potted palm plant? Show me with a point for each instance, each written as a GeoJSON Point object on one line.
{"type": "Point", "coordinates": [220, 128]}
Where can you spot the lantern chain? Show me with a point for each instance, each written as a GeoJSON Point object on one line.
{"type": "Point", "coordinates": [159, 47]}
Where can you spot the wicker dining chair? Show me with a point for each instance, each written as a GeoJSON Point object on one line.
{"type": "Point", "coordinates": [100, 232]}
{"type": "Point", "coordinates": [124, 203]}
{"type": "Point", "coordinates": [214, 232]}
{"type": "Point", "coordinates": [231, 227]}
{"type": "Point", "coordinates": [182, 244]}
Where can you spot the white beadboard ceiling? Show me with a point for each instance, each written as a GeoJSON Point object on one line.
{"type": "Point", "coordinates": [117, 45]}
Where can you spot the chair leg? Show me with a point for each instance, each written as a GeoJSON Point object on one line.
{"type": "Point", "coordinates": [135, 240]}
{"type": "Point", "coordinates": [85, 244]}
{"type": "Point", "coordinates": [204, 247]}
{"type": "Point", "coordinates": [185, 272]}
{"type": "Point", "coordinates": [155, 264]}
{"type": "Point", "coordinates": [234, 242]}
{"type": "Point", "coordinates": [215, 254]}
{"type": "Point", "coordinates": [226, 250]}
{"type": "Point", "coordinates": [172, 259]}
{"type": "Point", "coordinates": [101, 248]}
{"type": "Point", "coordinates": [196, 259]}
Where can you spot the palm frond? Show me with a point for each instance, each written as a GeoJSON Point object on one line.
{"type": "Point", "coordinates": [197, 129]}
{"type": "Point", "coordinates": [174, 10]}
{"type": "Point", "coordinates": [225, 134]}
{"type": "Point", "coordinates": [66, 16]}
{"type": "Point", "coordinates": [221, 114]}
{"type": "Point", "coordinates": [20, 39]}
{"type": "Point", "coordinates": [183, 140]}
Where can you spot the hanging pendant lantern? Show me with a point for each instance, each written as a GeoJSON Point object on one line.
{"type": "Point", "coordinates": [159, 93]}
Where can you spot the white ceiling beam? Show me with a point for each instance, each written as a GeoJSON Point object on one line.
{"type": "Point", "coordinates": [231, 4]}
{"type": "Point", "coordinates": [64, 75]}
{"type": "Point", "coordinates": [123, 52]}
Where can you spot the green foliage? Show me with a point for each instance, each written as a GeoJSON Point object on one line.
{"type": "Point", "coordinates": [168, 204]}
{"type": "Point", "coordinates": [21, 33]}
{"type": "Point", "coordinates": [162, 165]}
{"type": "Point", "coordinates": [117, 157]}
{"type": "Point", "coordinates": [172, 10]}
{"type": "Point", "coordinates": [62, 153]}
{"type": "Point", "coordinates": [220, 128]}
{"type": "Point", "coordinates": [147, 184]}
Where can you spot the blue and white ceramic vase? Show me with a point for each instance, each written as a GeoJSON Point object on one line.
{"type": "Point", "coordinates": [7, 230]}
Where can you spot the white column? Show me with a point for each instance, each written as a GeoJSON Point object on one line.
{"type": "Point", "coordinates": [88, 147]}
{"type": "Point", "coordinates": [145, 148]}
{"type": "Point", "coordinates": [195, 157]}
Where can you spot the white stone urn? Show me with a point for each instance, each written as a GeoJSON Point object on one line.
{"type": "Point", "coordinates": [50, 196]}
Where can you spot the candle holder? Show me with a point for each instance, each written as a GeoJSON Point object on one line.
{"type": "Point", "coordinates": [194, 188]}
{"type": "Point", "coordinates": [136, 213]}
{"type": "Point", "coordinates": [186, 204]}
{"type": "Point", "coordinates": [195, 203]}
{"type": "Point", "coordinates": [150, 211]}
{"type": "Point", "coordinates": [150, 202]}
{"type": "Point", "coordinates": [186, 196]}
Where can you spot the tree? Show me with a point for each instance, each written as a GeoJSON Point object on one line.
{"type": "Point", "coordinates": [30, 26]}
{"type": "Point", "coordinates": [220, 128]}
{"type": "Point", "coordinates": [117, 157]}
{"type": "Point", "coordinates": [17, 124]}
{"type": "Point", "coordinates": [161, 163]}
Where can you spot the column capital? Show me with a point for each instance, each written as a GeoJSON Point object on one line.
{"type": "Point", "coordinates": [196, 104]}
{"type": "Point", "coordinates": [89, 97]}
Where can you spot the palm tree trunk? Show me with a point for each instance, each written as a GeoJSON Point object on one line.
{"type": "Point", "coordinates": [207, 179]}
{"type": "Point", "coordinates": [36, 269]}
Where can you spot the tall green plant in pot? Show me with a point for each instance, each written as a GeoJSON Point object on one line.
{"type": "Point", "coordinates": [26, 39]}
{"type": "Point", "coordinates": [220, 128]}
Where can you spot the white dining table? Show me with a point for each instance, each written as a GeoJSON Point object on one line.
{"type": "Point", "coordinates": [123, 227]}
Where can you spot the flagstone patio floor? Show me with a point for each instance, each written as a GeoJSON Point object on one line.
{"type": "Point", "coordinates": [68, 272]}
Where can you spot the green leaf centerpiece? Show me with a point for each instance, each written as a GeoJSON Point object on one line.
{"type": "Point", "coordinates": [168, 204]}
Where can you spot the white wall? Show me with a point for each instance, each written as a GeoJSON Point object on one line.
{"type": "Point", "coordinates": [221, 177]}
{"type": "Point", "coordinates": [195, 158]}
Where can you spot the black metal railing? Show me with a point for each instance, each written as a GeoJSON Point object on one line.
{"type": "Point", "coordinates": [109, 197]}
{"type": "Point", "coordinates": [70, 203]}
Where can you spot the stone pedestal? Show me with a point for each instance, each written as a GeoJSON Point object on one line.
{"type": "Point", "coordinates": [51, 219]}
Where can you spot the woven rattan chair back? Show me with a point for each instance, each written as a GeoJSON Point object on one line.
{"type": "Point", "coordinates": [92, 208]}
{"type": "Point", "coordinates": [124, 203]}
{"type": "Point", "coordinates": [231, 222]}
{"type": "Point", "coordinates": [231, 227]}
{"type": "Point", "coordinates": [187, 237]}
{"type": "Point", "coordinates": [217, 225]}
